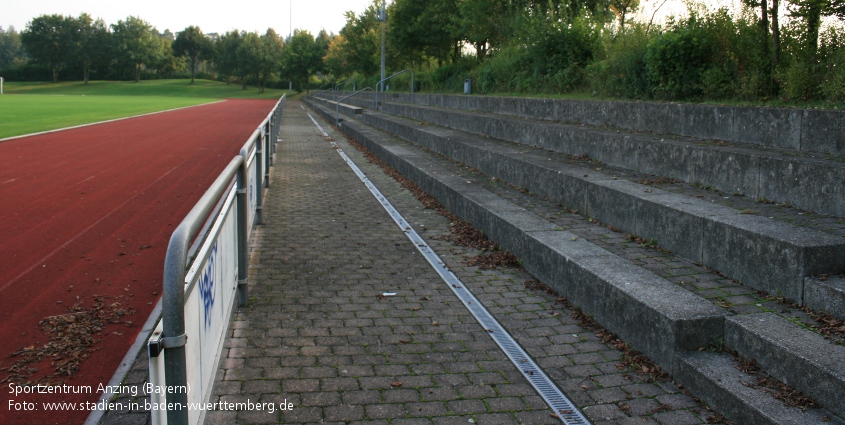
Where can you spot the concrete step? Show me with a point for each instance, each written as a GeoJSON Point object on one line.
{"type": "Point", "coordinates": [340, 106]}
{"type": "Point", "coordinates": [768, 255]}
{"type": "Point", "coordinates": [641, 307]}
{"type": "Point", "coordinates": [803, 180]}
{"type": "Point", "coordinates": [803, 130]}
{"type": "Point", "coordinates": [715, 379]}
{"type": "Point", "coordinates": [654, 315]}
{"type": "Point", "coordinates": [795, 356]}
{"type": "Point", "coordinates": [826, 294]}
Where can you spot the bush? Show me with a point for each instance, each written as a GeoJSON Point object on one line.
{"type": "Point", "coordinates": [450, 77]}
{"type": "Point", "coordinates": [833, 61]}
{"type": "Point", "coordinates": [560, 52]}
{"type": "Point", "coordinates": [623, 72]}
{"type": "Point", "coordinates": [502, 72]}
{"type": "Point", "coordinates": [29, 71]}
{"type": "Point", "coordinates": [677, 59]}
{"type": "Point", "coordinates": [796, 73]}
{"type": "Point", "coordinates": [798, 81]}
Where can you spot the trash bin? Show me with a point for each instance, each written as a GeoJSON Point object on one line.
{"type": "Point", "coordinates": [468, 86]}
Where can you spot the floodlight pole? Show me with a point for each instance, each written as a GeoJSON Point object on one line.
{"type": "Point", "coordinates": [290, 35]}
{"type": "Point", "coordinates": [383, 19]}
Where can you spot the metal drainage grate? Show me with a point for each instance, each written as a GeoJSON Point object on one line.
{"type": "Point", "coordinates": [554, 397]}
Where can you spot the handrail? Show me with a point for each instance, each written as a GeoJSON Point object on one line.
{"type": "Point", "coordinates": [337, 104]}
{"type": "Point", "coordinates": [235, 185]}
{"type": "Point", "coordinates": [318, 88]}
{"type": "Point", "coordinates": [173, 294]}
{"type": "Point", "coordinates": [381, 83]}
{"type": "Point", "coordinates": [342, 83]}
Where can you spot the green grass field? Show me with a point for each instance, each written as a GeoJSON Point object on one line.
{"type": "Point", "coordinates": [33, 107]}
{"type": "Point", "coordinates": [166, 88]}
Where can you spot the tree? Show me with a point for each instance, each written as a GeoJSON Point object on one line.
{"type": "Point", "coordinates": [168, 35]}
{"type": "Point", "coordinates": [812, 12]}
{"type": "Point", "coordinates": [427, 28]}
{"type": "Point", "coordinates": [194, 46]}
{"type": "Point", "coordinates": [226, 53]}
{"type": "Point", "coordinates": [363, 42]}
{"type": "Point", "coordinates": [335, 60]}
{"type": "Point", "coordinates": [249, 56]}
{"type": "Point", "coordinates": [51, 40]}
{"type": "Point", "coordinates": [775, 32]}
{"type": "Point", "coordinates": [166, 62]}
{"type": "Point", "coordinates": [484, 23]}
{"type": "Point", "coordinates": [270, 57]}
{"type": "Point", "coordinates": [322, 42]}
{"type": "Point", "coordinates": [622, 8]}
{"type": "Point", "coordinates": [136, 43]}
{"type": "Point", "coordinates": [94, 44]}
{"type": "Point", "coordinates": [11, 50]}
{"type": "Point", "coordinates": [301, 57]}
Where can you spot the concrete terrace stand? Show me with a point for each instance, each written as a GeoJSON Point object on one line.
{"type": "Point", "coordinates": [652, 170]}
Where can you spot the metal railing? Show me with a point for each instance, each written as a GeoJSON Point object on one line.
{"type": "Point", "coordinates": [337, 103]}
{"type": "Point", "coordinates": [200, 285]}
{"type": "Point", "coordinates": [380, 84]}
{"type": "Point", "coordinates": [337, 87]}
{"type": "Point", "coordinates": [321, 90]}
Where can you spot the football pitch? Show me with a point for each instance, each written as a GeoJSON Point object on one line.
{"type": "Point", "coordinates": [27, 108]}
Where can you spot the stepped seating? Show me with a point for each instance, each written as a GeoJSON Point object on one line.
{"type": "Point", "coordinates": [341, 106]}
{"type": "Point", "coordinates": [774, 249]}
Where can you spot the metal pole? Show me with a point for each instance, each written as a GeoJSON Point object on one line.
{"type": "Point", "coordinates": [173, 295]}
{"type": "Point", "coordinates": [243, 234]}
{"type": "Point", "coordinates": [271, 141]}
{"type": "Point", "coordinates": [259, 175]}
{"type": "Point", "coordinates": [383, 19]}
{"type": "Point", "coordinates": [173, 318]}
{"type": "Point", "coordinates": [266, 141]}
{"type": "Point", "coordinates": [290, 35]}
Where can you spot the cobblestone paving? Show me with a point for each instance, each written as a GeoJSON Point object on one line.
{"type": "Point", "coordinates": [318, 337]}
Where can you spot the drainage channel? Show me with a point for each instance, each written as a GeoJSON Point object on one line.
{"type": "Point", "coordinates": [564, 409]}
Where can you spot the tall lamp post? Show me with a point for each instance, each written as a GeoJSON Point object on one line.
{"type": "Point", "coordinates": [290, 35]}
{"type": "Point", "coordinates": [383, 18]}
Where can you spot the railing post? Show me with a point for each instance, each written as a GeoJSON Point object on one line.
{"type": "Point", "coordinates": [271, 141]}
{"type": "Point", "coordinates": [243, 234]}
{"type": "Point", "coordinates": [259, 176]}
{"type": "Point", "coordinates": [265, 140]}
{"type": "Point", "coordinates": [173, 321]}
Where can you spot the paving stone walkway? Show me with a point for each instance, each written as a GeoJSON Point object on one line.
{"type": "Point", "coordinates": [319, 337]}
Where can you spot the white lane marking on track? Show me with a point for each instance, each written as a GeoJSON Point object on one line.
{"type": "Point", "coordinates": [39, 171]}
{"type": "Point", "coordinates": [69, 241]}
{"type": "Point", "coordinates": [54, 193]}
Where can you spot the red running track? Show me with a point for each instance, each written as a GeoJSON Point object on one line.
{"type": "Point", "coordinates": [90, 211]}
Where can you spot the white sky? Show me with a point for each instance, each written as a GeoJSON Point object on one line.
{"type": "Point", "coordinates": [248, 15]}
{"type": "Point", "coordinates": [210, 16]}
